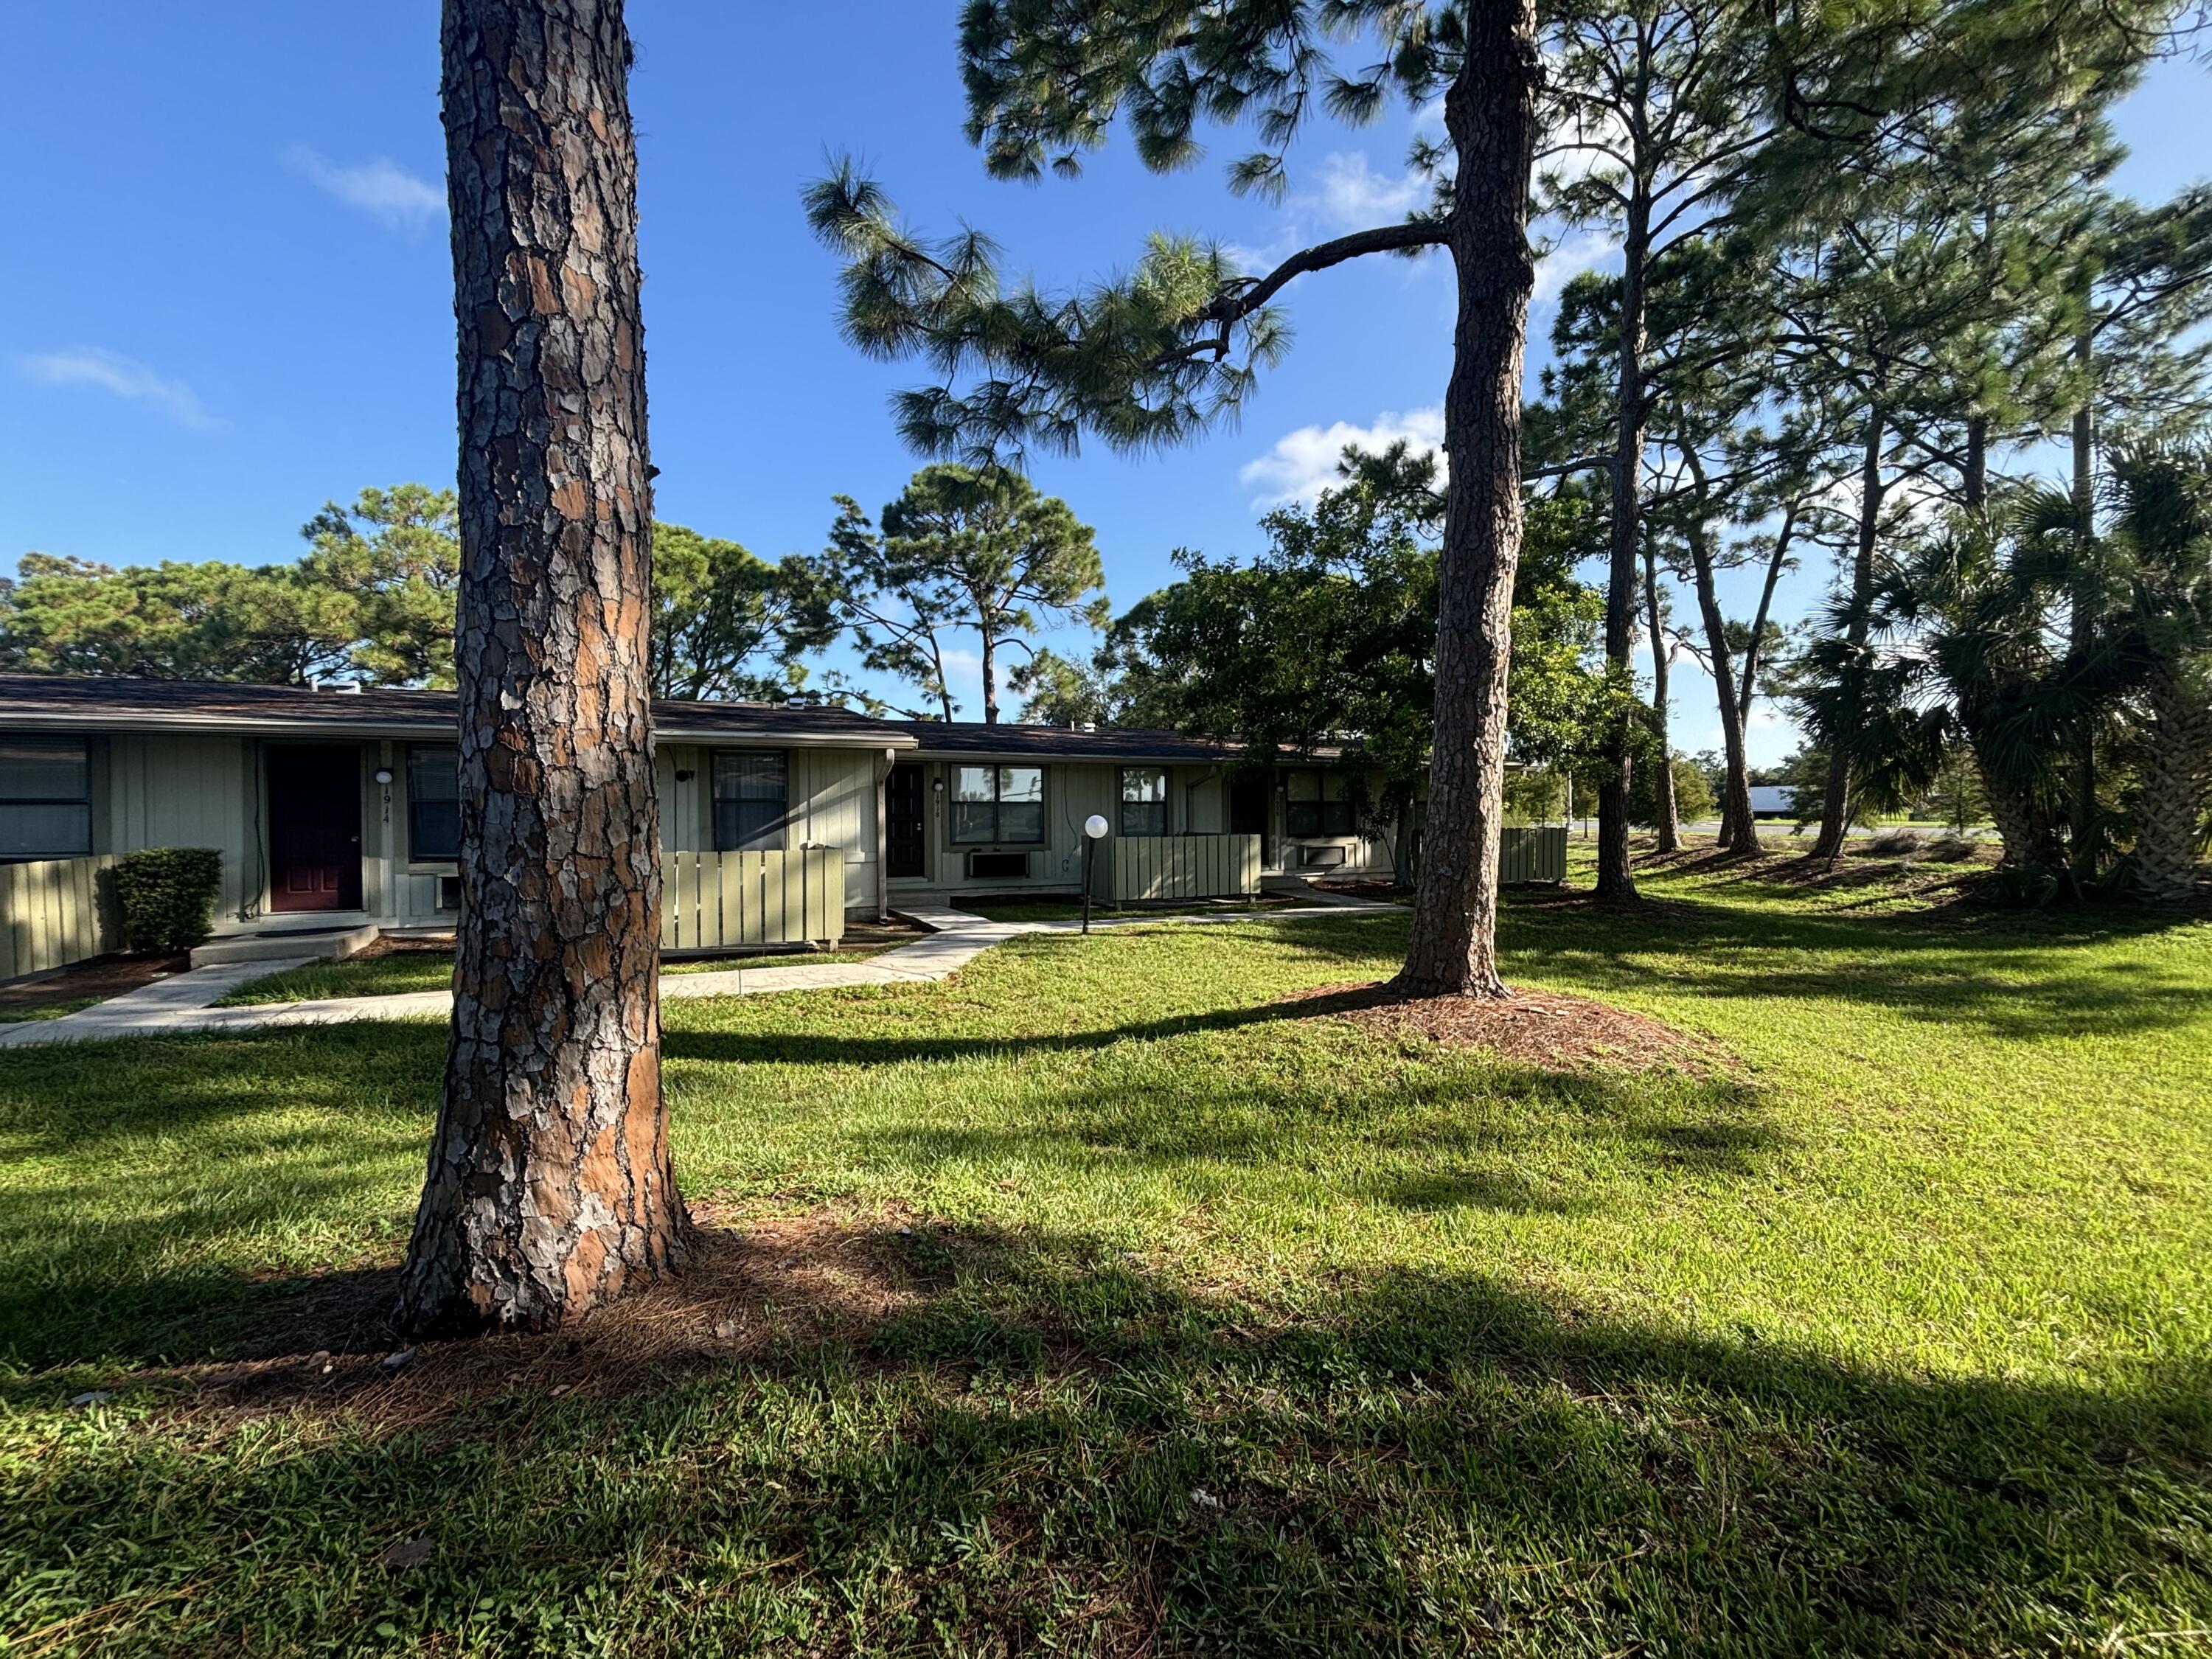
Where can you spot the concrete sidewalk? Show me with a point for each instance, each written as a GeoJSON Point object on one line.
{"type": "Point", "coordinates": [180, 1004]}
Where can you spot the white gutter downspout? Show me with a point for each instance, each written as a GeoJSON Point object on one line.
{"type": "Point", "coordinates": [882, 836]}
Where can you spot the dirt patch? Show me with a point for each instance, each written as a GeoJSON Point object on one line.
{"type": "Point", "coordinates": [752, 1285]}
{"type": "Point", "coordinates": [406, 944]}
{"type": "Point", "coordinates": [1536, 1028]}
{"type": "Point", "coordinates": [108, 977]}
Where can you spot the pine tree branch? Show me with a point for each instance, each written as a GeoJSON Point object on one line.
{"type": "Point", "coordinates": [1248, 294]}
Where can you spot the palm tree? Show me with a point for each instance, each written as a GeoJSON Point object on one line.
{"type": "Point", "coordinates": [2159, 499]}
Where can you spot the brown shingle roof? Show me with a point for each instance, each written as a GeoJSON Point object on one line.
{"type": "Point", "coordinates": [38, 702]}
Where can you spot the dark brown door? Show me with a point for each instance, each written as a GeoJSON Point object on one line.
{"type": "Point", "coordinates": [314, 828]}
{"type": "Point", "coordinates": [1248, 811]}
{"type": "Point", "coordinates": [906, 799]}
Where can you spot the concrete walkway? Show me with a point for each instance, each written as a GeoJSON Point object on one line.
{"type": "Point", "coordinates": [167, 1004]}
{"type": "Point", "coordinates": [174, 1005]}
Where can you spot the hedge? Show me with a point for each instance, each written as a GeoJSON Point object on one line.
{"type": "Point", "coordinates": [167, 896]}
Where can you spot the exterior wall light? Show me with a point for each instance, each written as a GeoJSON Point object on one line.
{"type": "Point", "coordinates": [384, 774]}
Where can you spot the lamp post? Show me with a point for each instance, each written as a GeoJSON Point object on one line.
{"type": "Point", "coordinates": [1094, 830]}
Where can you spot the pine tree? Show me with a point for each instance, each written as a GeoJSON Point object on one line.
{"type": "Point", "coordinates": [1175, 346]}
{"type": "Point", "coordinates": [550, 1188]}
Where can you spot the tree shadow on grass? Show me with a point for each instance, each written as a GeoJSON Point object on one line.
{"type": "Point", "coordinates": [1411, 1137]}
{"type": "Point", "coordinates": [911, 1436]}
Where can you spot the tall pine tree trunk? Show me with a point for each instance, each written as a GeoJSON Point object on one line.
{"type": "Point", "coordinates": [2082, 822]}
{"type": "Point", "coordinates": [1490, 114]}
{"type": "Point", "coordinates": [1753, 650]}
{"type": "Point", "coordinates": [550, 1188]}
{"type": "Point", "coordinates": [1662, 779]}
{"type": "Point", "coordinates": [1614, 877]}
{"type": "Point", "coordinates": [1739, 829]}
{"type": "Point", "coordinates": [1836, 802]}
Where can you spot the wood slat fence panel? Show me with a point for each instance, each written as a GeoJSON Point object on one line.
{"type": "Point", "coordinates": [1135, 868]}
{"type": "Point", "coordinates": [53, 912]}
{"type": "Point", "coordinates": [716, 901]}
{"type": "Point", "coordinates": [1538, 853]}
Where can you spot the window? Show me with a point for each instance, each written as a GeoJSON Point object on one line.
{"type": "Point", "coordinates": [998, 805]}
{"type": "Point", "coordinates": [1144, 801]}
{"type": "Point", "coordinates": [433, 802]}
{"type": "Point", "coordinates": [45, 799]}
{"type": "Point", "coordinates": [1318, 804]}
{"type": "Point", "coordinates": [749, 800]}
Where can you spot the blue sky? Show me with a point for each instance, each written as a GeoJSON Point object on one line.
{"type": "Point", "coordinates": [232, 297]}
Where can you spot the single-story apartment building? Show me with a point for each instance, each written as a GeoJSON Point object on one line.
{"type": "Point", "coordinates": [338, 806]}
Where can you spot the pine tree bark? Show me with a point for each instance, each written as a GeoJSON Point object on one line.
{"type": "Point", "coordinates": [550, 1187]}
{"type": "Point", "coordinates": [1739, 828]}
{"type": "Point", "coordinates": [1490, 114]}
{"type": "Point", "coordinates": [1615, 879]}
{"type": "Point", "coordinates": [1662, 779]}
{"type": "Point", "coordinates": [1836, 803]}
{"type": "Point", "coordinates": [2082, 821]}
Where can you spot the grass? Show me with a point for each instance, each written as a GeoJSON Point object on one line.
{"type": "Point", "coordinates": [1214, 1328]}
{"type": "Point", "coordinates": [1072, 909]}
{"type": "Point", "coordinates": [21, 1013]}
{"type": "Point", "coordinates": [425, 970]}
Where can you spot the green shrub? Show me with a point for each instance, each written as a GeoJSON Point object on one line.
{"type": "Point", "coordinates": [167, 896]}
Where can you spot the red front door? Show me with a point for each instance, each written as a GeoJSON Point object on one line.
{"type": "Point", "coordinates": [314, 828]}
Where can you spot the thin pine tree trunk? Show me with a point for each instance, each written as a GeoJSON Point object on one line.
{"type": "Point", "coordinates": [1615, 879]}
{"type": "Point", "coordinates": [2083, 826]}
{"type": "Point", "coordinates": [550, 1187]}
{"type": "Point", "coordinates": [1739, 829]}
{"type": "Point", "coordinates": [1751, 652]}
{"type": "Point", "coordinates": [1836, 802]}
{"type": "Point", "coordinates": [1491, 113]}
{"type": "Point", "coordinates": [1662, 780]}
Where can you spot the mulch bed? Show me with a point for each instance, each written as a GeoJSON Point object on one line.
{"type": "Point", "coordinates": [103, 977]}
{"type": "Point", "coordinates": [751, 1284]}
{"type": "Point", "coordinates": [1536, 1028]}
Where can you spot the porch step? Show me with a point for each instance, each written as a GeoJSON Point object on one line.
{"type": "Point", "coordinates": [329, 945]}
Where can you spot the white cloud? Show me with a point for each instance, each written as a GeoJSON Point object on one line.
{"type": "Point", "coordinates": [1348, 194]}
{"type": "Point", "coordinates": [1302, 463]}
{"type": "Point", "coordinates": [1568, 258]}
{"type": "Point", "coordinates": [1354, 196]}
{"type": "Point", "coordinates": [384, 191]}
{"type": "Point", "coordinates": [125, 378]}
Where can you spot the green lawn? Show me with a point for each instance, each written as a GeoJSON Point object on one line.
{"type": "Point", "coordinates": [1201, 1328]}
{"type": "Point", "coordinates": [17, 1016]}
{"type": "Point", "coordinates": [422, 970]}
{"type": "Point", "coordinates": [1072, 909]}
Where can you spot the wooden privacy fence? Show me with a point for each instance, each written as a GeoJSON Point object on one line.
{"type": "Point", "coordinates": [54, 913]}
{"type": "Point", "coordinates": [1535, 855]}
{"type": "Point", "coordinates": [1130, 868]}
{"type": "Point", "coordinates": [715, 900]}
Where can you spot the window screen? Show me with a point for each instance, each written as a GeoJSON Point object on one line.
{"type": "Point", "coordinates": [45, 799]}
{"type": "Point", "coordinates": [1144, 801]}
{"type": "Point", "coordinates": [751, 799]}
{"type": "Point", "coordinates": [433, 802]}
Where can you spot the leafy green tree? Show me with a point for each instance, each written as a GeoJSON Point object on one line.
{"type": "Point", "coordinates": [1177, 345]}
{"type": "Point", "coordinates": [728, 625]}
{"type": "Point", "coordinates": [962, 550]}
{"type": "Point", "coordinates": [395, 554]}
{"type": "Point", "coordinates": [1058, 690]}
{"type": "Point", "coordinates": [1331, 633]}
{"type": "Point", "coordinates": [176, 621]}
